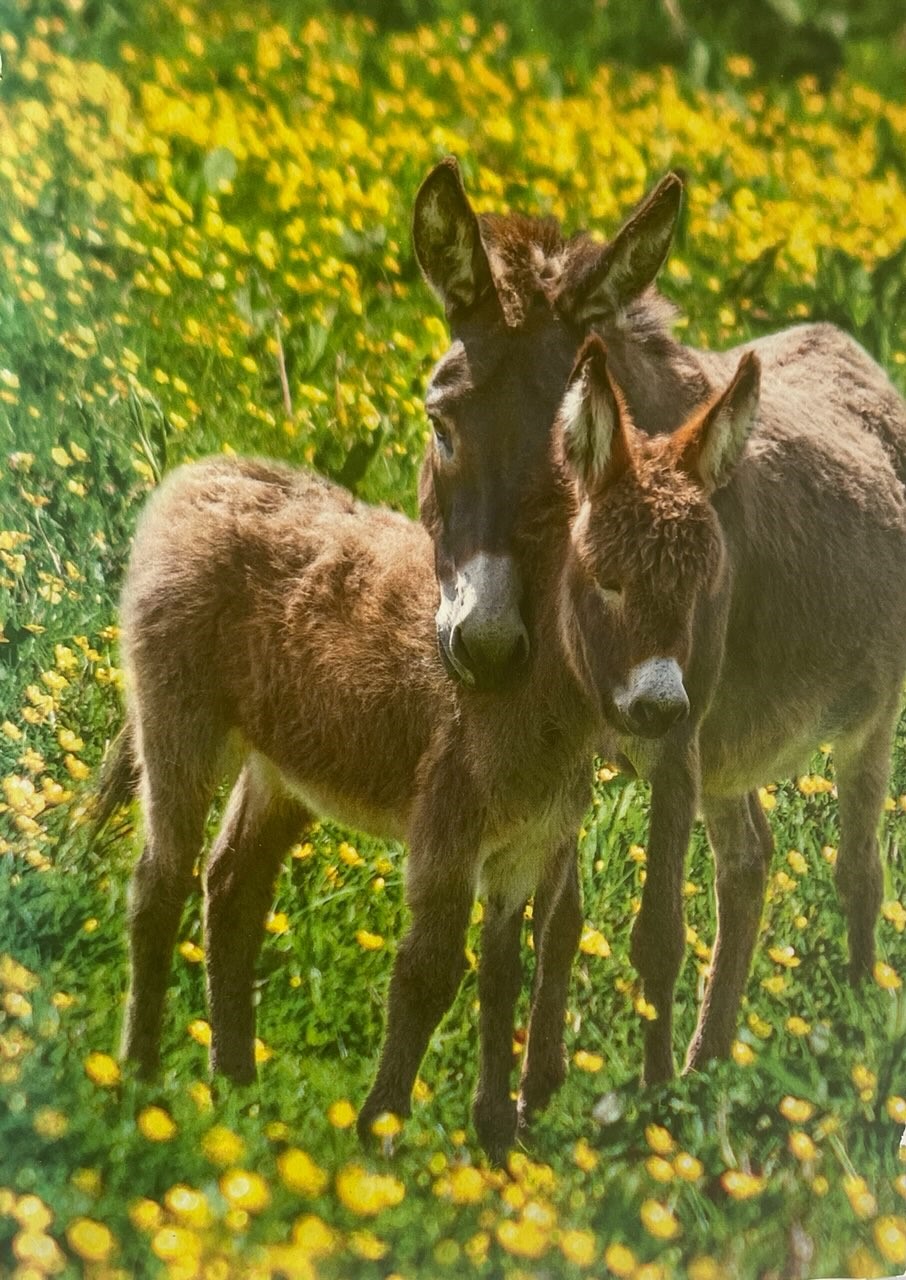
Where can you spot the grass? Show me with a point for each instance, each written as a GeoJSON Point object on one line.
{"type": "Point", "coordinates": [220, 203]}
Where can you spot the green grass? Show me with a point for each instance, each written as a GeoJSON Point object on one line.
{"type": "Point", "coordinates": [162, 219]}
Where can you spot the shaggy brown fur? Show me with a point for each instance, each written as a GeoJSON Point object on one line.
{"type": "Point", "coordinates": [773, 573]}
{"type": "Point", "coordinates": [270, 620]}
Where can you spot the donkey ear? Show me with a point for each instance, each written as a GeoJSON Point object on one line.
{"type": "Point", "coordinates": [716, 444]}
{"type": "Point", "coordinates": [447, 240]}
{"type": "Point", "coordinates": [629, 264]}
{"type": "Point", "coordinates": [592, 419]}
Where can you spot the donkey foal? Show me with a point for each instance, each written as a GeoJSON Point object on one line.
{"type": "Point", "coordinates": [750, 575]}
{"type": "Point", "coordinates": [268, 616]}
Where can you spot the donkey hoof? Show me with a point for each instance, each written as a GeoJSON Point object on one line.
{"type": "Point", "coordinates": [495, 1125]}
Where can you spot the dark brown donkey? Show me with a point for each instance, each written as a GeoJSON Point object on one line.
{"type": "Point", "coordinates": [520, 300]}
{"type": "Point", "coordinates": [751, 603]}
{"type": "Point", "coordinates": [271, 622]}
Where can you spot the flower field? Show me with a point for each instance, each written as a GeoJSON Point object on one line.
{"type": "Point", "coordinates": [204, 247]}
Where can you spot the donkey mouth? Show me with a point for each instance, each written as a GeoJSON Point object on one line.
{"type": "Point", "coordinates": [482, 677]}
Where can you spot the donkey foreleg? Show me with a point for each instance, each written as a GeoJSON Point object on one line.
{"type": "Point", "coordinates": [260, 825]}
{"type": "Point", "coordinates": [742, 842]}
{"type": "Point", "coordinates": [658, 935]}
{"type": "Point", "coordinates": [499, 984]}
{"type": "Point", "coordinates": [557, 921]}
{"type": "Point", "coordinates": [428, 969]}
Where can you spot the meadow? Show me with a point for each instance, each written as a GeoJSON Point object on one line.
{"type": "Point", "coordinates": [204, 247]}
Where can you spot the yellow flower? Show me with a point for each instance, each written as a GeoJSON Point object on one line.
{"type": "Point", "coordinates": [365, 1244]}
{"type": "Point", "coordinates": [741, 1185]}
{"type": "Point", "coordinates": [145, 1214]}
{"type": "Point", "coordinates": [578, 1247]}
{"type": "Point", "coordinates": [41, 1250]}
{"type": "Point", "coordinates": [796, 1110]}
{"type": "Point", "coordinates": [300, 1173]}
{"type": "Point", "coordinates": [156, 1125]}
{"type": "Point", "coordinates": [245, 1190]}
{"type": "Point", "coordinates": [593, 943]}
{"type": "Point", "coordinates": [369, 941]}
{"type": "Point", "coordinates": [797, 1026]}
{"type": "Point", "coordinates": [801, 1145]}
{"type": "Point", "coordinates": [687, 1167]}
{"type": "Point", "coordinates": [386, 1125]}
{"type": "Point", "coordinates": [341, 1114]}
{"type": "Point", "coordinates": [189, 1205]}
{"type": "Point", "coordinates": [860, 1198]}
{"type": "Point", "coordinates": [659, 1139]}
{"type": "Point", "coordinates": [191, 951]}
{"type": "Point", "coordinates": [101, 1069]}
{"type": "Point", "coordinates": [890, 1237]}
{"type": "Point", "coordinates": [176, 1244]}
{"type": "Point", "coordinates": [32, 1213]}
{"type": "Point", "coordinates": [368, 1193]}
{"type": "Point", "coordinates": [523, 1237]}
{"type": "Point", "coordinates": [896, 1108]}
{"type": "Point", "coordinates": [92, 1241]}
{"type": "Point", "coordinates": [200, 1031]}
{"type": "Point", "coordinates": [742, 1054]}
{"type": "Point", "coordinates": [277, 922]}
{"type": "Point", "coordinates": [584, 1156]}
{"type": "Point", "coordinates": [785, 956]}
{"type": "Point", "coordinates": [704, 1268]}
{"type": "Point", "coordinates": [659, 1220]}
{"type": "Point", "coordinates": [620, 1259]}
{"type": "Point", "coordinates": [659, 1169]}
{"type": "Point", "coordinates": [314, 1236]}
{"type": "Point", "coordinates": [886, 977]}
{"type": "Point", "coordinates": [586, 1061]}
{"type": "Point", "coordinates": [222, 1146]}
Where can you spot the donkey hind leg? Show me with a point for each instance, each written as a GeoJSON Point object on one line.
{"type": "Point", "coordinates": [261, 822]}
{"type": "Point", "coordinates": [557, 922]}
{"type": "Point", "coordinates": [176, 796]}
{"type": "Point", "coordinates": [499, 984]}
{"type": "Point", "coordinates": [862, 778]}
{"type": "Point", "coordinates": [742, 842]}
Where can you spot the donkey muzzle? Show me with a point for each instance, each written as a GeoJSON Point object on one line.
{"type": "Point", "coordinates": [653, 698]}
{"type": "Point", "coordinates": [481, 633]}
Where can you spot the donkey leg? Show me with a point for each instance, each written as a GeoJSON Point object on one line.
{"type": "Point", "coordinates": [260, 824]}
{"type": "Point", "coordinates": [557, 926]}
{"type": "Point", "coordinates": [862, 777]}
{"type": "Point", "coordinates": [743, 844]}
{"type": "Point", "coordinates": [658, 935]}
{"type": "Point", "coordinates": [499, 983]}
{"type": "Point", "coordinates": [175, 804]}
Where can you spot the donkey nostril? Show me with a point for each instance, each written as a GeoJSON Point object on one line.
{"type": "Point", "coordinates": [652, 717]}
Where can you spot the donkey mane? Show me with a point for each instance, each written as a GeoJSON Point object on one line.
{"type": "Point", "coordinates": [532, 260]}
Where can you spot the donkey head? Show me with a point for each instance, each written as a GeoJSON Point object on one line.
{"type": "Point", "coordinates": [519, 300]}
{"type": "Point", "coordinates": [646, 541]}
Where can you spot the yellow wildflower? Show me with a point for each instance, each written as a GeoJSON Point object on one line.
{"type": "Point", "coordinates": [156, 1124]}
{"type": "Point", "coordinates": [101, 1069]}
{"type": "Point", "coordinates": [341, 1114]}
{"type": "Point", "coordinates": [245, 1190]}
{"type": "Point", "coordinates": [222, 1146]}
{"type": "Point", "coordinates": [91, 1241]}
{"type": "Point", "coordinates": [300, 1174]}
{"type": "Point", "coordinates": [659, 1220]}
{"type": "Point", "coordinates": [367, 1193]}
{"type": "Point", "coordinates": [741, 1185]}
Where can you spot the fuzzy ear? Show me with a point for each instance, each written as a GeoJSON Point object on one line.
{"type": "Point", "coordinates": [593, 419]}
{"type": "Point", "coordinates": [447, 240]}
{"type": "Point", "coordinates": [628, 265]}
{"type": "Point", "coordinates": [715, 444]}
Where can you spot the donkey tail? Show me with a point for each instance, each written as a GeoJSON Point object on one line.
{"type": "Point", "coordinates": [118, 780]}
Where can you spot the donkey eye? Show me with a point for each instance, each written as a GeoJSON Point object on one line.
{"type": "Point", "coordinates": [610, 591]}
{"type": "Point", "coordinates": [443, 437]}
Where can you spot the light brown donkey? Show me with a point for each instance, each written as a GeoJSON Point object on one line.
{"type": "Point", "coordinates": [269, 617]}
{"type": "Point", "coordinates": [748, 602]}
